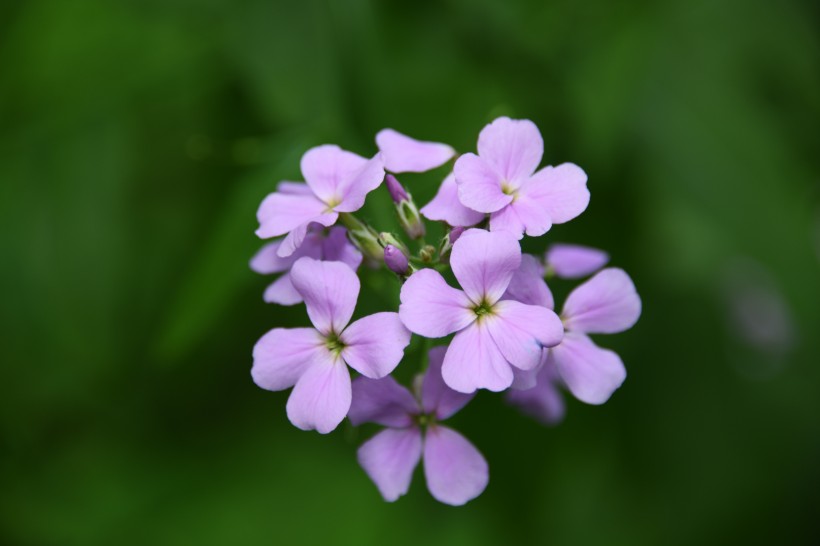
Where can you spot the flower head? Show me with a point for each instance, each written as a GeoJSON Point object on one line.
{"type": "Point", "coordinates": [493, 336]}
{"type": "Point", "coordinates": [454, 469]}
{"type": "Point", "coordinates": [314, 360]}
{"type": "Point", "coordinates": [502, 180]}
{"type": "Point", "coordinates": [337, 181]}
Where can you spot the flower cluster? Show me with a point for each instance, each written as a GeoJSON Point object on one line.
{"type": "Point", "coordinates": [506, 335]}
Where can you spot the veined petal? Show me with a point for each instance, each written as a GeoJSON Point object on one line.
{"type": "Point", "coordinates": [561, 191]}
{"type": "Point", "coordinates": [513, 146]}
{"type": "Point", "coordinates": [436, 396]}
{"type": "Point", "coordinates": [296, 238]}
{"type": "Point", "coordinates": [575, 261]}
{"type": "Point", "coordinates": [336, 247]}
{"type": "Point", "coordinates": [374, 345]}
{"type": "Point", "coordinates": [446, 207]}
{"type": "Point", "coordinates": [403, 154]}
{"type": "Point", "coordinates": [330, 291]}
{"type": "Point", "coordinates": [432, 308]}
{"type": "Point", "coordinates": [484, 263]}
{"type": "Point", "coordinates": [605, 304]}
{"type": "Point", "coordinates": [282, 292]}
{"type": "Point", "coordinates": [321, 398]}
{"type": "Point", "coordinates": [473, 361]}
{"type": "Point", "coordinates": [591, 373]}
{"type": "Point", "coordinates": [381, 401]}
{"type": "Point", "coordinates": [528, 284]}
{"type": "Point", "coordinates": [543, 401]}
{"type": "Point", "coordinates": [281, 213]}
{"type": "Point", "coordinates": [326, 168]}
{"type": "Point", "coordinates": [389, 459]}
{"type": "Point", "coordinates": [479, 185]}
{"type": "Point", "coordinates": [521, 331]}
{"type": "Point", "coordinates": [282, 355]}
{"type": "Point", "coordinates": [354, 189]}
{"type": "Point", "coordinates": [522, 215]}
{"type": "Point", "coordinates": [455, 470]}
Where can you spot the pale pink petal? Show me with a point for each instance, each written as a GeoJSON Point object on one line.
{"type": "Point", "coordinates": [382, 401]}
{"type": "Point", "coordinates": [294, 188]}
{"type": "Point", "coordinates": [513, 146]}
{"type": "Point", "coordinates": [455, 470]}
{"type": "Point", "coordinates": [281, 213]}
{"type": "Point", "coordinates": [479, 185]}
{"type": "Point", "coordinates": [543, 401]}
{"type": "Point", "coordinates": [561, 191]}
{"type": "Point", "coordinates": [525, 379]}
{"type": "Point", "coordinates": [326, 168]}
{"type": "Point", "coordinates": [432, 308]}
{"type": "Point", "coordinates": [321, 398]}
{"type": "Point", "coordinates": [389, 459]}
{"type": "Point", "coordinates": [330, 291]}
{"type": "Point", "coordinates": [446, 207]}
{"type": "Point", "coordinates": [436, 396]}
{"type": "Point", "coordinates": [403, 154]}
{"type": "Point", "coordinates": [522, 215]}
{"type": "Point", "coordinates": [267, 261]}
{"type": "Point", "coordinates": [473, 361]}
{"type": "Point", "coordinates": [282, 292]}
{"type": "Point", "coordinates": [575, 261]}
{"type": "Point", "coordinates": [282, 355]}
{"type": "Point", "coordinates": [591, 373]}
{"type": "Point", "coordinates": [528, 284]}
{"type": "Point", "coordinates": [337, 248]}
{"type": "Point", "coordinates": [521, 331]}
{"type": "Point", "coordinates": [374, 345]}
{"type": "Point", "coordinates": [484, 262]}
{"type": "Point", "coordinates": [605, 304]}
{"type": "Point", "coordinates": [354, 189]}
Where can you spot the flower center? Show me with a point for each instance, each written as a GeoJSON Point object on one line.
{"type": "Point", "coordinates": [423, 420]}
{"type": "Point", "coordinates": [334, 344]}
{"type": "Point", "coordinates": [332, 203]}
{"type": "Point", "coordinates": [483, 308]}
{"type": "Point", "coordinates": [508, 189]}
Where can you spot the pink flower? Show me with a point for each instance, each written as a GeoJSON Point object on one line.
{"type": "Point", "coordinates": [501, 180]}
{"type": "Point", "coordinates": [493, 336]}
{"type": "Point", "coordinates": [330, 246]}
{"type": "Point", "coordinates": [454, 469]}
{"type": "Point", "coordinates": [314, 360]}
{"type": "Point", "coordinates": [337, 181]}
{"type": "Point", "coordinates": [403, 154]}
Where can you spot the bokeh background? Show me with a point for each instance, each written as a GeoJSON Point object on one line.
{"type": "Point", "coordinates": [138, 137]}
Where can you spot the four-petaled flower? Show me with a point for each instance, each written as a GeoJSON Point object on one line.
{"type": "Point", "coordinates": [314, 360]}
{"type": "Point", "coordinates": [493, 336]}
{"type": "Point", "coordinates": [454, 469]}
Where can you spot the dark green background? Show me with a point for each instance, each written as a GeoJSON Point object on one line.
{"type": "Point", "coordinates": [138, 137]}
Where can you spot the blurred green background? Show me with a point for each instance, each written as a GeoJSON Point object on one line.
{"type": "Point", "coordinates": [138, 137]}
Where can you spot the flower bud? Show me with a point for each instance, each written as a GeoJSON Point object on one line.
{"type": "Point", "coordinates": [427, 253]}
{"type": "Point", "coordinates": [363, 237]}
{"type": "Point", "coordinates": [408, 213]}
{"type": "Point", "coordinates": [447, 243]}
{"type": "Point", "coordinates": [386, 238]}
{"type": "Point", "coordinates": [396, 261]}
{"type": "Point", "coordinates": [397, 191]}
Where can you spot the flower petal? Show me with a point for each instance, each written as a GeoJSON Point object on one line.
{"type": "Point", "coordinates": [374, 345]}
{"type": "Point", "coordinates": [282, 292]}
{"type": "Point", "coordinates": [473, 361]}
{"type": "Point", "coordinates": [591, 373]}
{"type": "Point", "coordinates": [513, 146]}
{"type": "Point", "coordinates": [522, 215]}
{"type": "Point", "coordinates": [455, 470]}
{"type": "Point", "coordinates": [561, 191]}
{"type": "Point", "coordinates": [267, 259]}
{"type": "Point", "coordinates": [321, 398]}
{"type": "Point", "coordinates": [543, 401]}
{"type": "Point", "coordinates": [432, 308]}
{"type": "Point", "coordinates": [330, 291]}
{"type": "Point", "coordinates": [337, 248]}
{"type": "Point", "coordinates": [528, 284]}
{"type": "Point", "coordinates": [354, 189]}
{"type": "Point", "coordinates": [281, 213]}
{"type": "Point", "coordinates": [381, 401]}
{"type": "Point", "coordinates": [299, 188]}
{"type": "Point", "coordinates": [436, 396]}
{"type": "Point", "coordinates": [521, 331]}
{"type": "Point", "coordinates": [389, 459]}
{"type": "Point", "coordinates": [325, 169]}
{"type": "Point", "coordinates": [403, 154]}
{"type": "Point", "coordinates": [484, 262]}
{"type": "Point", "coordinates": [575, 261]}
{"type": "Point", "coordinates": [295, 239]}
{"type": "Point", "coordinates": [605, 304]}
{"type": "Point", "coordinates": [282, 355]}
{"type": "Point", "coordinates": [479, 185]}
{"type": "Point", "coordinates": [446, 207]}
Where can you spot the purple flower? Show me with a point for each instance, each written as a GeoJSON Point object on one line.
{"type": "Point", "coordinates": [454, 469]}
{"type": "Point", "coordinates": [493, 336]}
{"type": "Point", "coordinates": [446, 207]}
{"type": "Point", "coordinates": [403, 154]}
{"type": "Point", "coordinates": [313, 360]}
{"type": "Point", "coordinates": [542, 400]}
{"type": "Point", "coordinates": [395, 260]}
{"type": "Point", "coordinates": [574, 261]}
{"type": "Point", "coordinates": [337, 181]}
{"type": "Point", "coordinates": [501, 180]}
{"type": "Point", "coordinates": [330, 246]}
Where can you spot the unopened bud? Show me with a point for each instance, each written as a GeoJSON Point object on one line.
{"type": "Point", "coordinates": [426, 253]}
{"type": "Point", "coordinates": [396, 261]}
{"type": "Point", "coordinates": [387, 238]}
{"type": "Point", "coordinates": [447, 243]}
{"type": "Point", "coordinates": [363, 237]}
{"type": "Point", "coordinates": [397, 191]}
